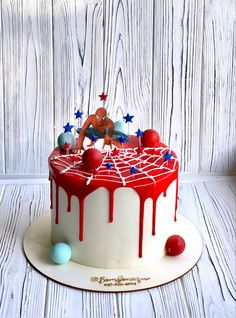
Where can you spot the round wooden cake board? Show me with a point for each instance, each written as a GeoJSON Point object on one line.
{"type": "Point", "coordinates": [37, 243]}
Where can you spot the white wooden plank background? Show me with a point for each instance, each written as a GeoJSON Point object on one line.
{"type": "Point", "coordinates": [26, 44]}
{"type": "Point", "coordinates": [218, 87]}
{"type": "Point", "coordinates": [208, 290]}
{"type": "Point", "coordinates": [177, 77]}
{"type": "Point", "coordinates": [170, 63]}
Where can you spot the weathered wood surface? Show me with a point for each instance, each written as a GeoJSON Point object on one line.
{"type": "Point", "coordinates": [128, 59]}
{"type": "Point", "coordinates": [178, 39]}
{"type": "Point", "coordinates": [77, 58]}
{"type": "Point", "coordinates": [26, 43]}
{"type": "Point", "coordinates": [2, 139]}
{"type": "Point", "coordinates": [170, 63]}
{"type": "Point", "coordinates": [208, 290]}
{"type": "Point", "coordinates": [218, 87]}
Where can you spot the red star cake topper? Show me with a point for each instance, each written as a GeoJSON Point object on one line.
{"type": "Point", "coordinates": [115, 152]}
{"type": "Point", "coordinates": [66, 145]}
{"type": "Point", "coordinates": [103, 97]}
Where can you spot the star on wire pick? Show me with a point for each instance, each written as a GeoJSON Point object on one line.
{"type": "Point", "coordinates": [122, 139]}
{"type": "Point", "coordinates": [109, 165]}
{"type": "Point", "coordinates": [133, 170]}
{"type": "Point", "coordinates": [128, 118]}
{"type": "Point", "coordinates": [167, 156]}
{"type": "Point", "coordinates": [115, 152]}
{"type": "Point", "coordinates": [66, 145]}
{"type": "Point", "coordinates": [139, 133]}
{"type": "Point", "coordinates": [68, 127]}
{"type": "Point", "coordinates": [78, 114]}
{"type": "Point", "coordinates": [94, 138]}
{"type": "Point", "coordinates": [103, 96]}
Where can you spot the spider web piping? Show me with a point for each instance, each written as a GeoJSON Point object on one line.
{"type": "Point", "coordinates": [150, 164]}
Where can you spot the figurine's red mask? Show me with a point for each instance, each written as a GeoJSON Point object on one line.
{"type": "Point", "coordinates": [101, 115]}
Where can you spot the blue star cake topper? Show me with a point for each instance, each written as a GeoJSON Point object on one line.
{"type": "Point", "coordinates": [78, 114]}
{"type": "Point", "coordinates": [94, 138]}
{"type": "Point", "coordinates": [133, 170]}
{"type": "Point", "coordinates": [128, 118]}
{"type": "Point", "coordinates": [139, 133]}
{"type": "Point", "coordinates": [68, 127]}
{"type": "Point", "coordinates": [122, 139]}
{"type": "Point", "coordinates": [167, 156]}
{"type": "Point", "coordinates": [109, 165]}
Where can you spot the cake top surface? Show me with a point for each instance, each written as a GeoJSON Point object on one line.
{"type": "Point", "coordinates": [132, 166]}
{"type": "Point", "coordinates": [105, 153]}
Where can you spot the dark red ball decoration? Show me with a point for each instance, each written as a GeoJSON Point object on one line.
{"type": "Point", "coordinates": [175, 245]}
{"type": "Point", "coordinates": [150, 138]}
{"type": "Point", "coordinates": [92, 159]}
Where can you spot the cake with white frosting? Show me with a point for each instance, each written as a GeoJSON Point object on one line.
{"type": "Point", "coordinates": [113, 196]}
{"type": "Point", "coordinates": [119, 216]}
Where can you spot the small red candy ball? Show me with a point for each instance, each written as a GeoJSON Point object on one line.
{"type": "Point", "coordinates": [150, 138]}
{"type": "Point", "coordinates": [92, 159]}
{"type": "Point", "coordinates": [175, 245]}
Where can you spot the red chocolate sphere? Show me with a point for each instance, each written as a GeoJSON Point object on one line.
{"type": "Point", "coordinates": [92, 159]}
{"type": "Point", "coordinates": [175, 245]}
{"type": "Point", "coordinates": [150, 138]}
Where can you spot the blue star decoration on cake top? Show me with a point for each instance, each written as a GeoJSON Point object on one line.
{"type": "Point", "coordinates": [167, 156]}
{"type": "Point", "coordinates": [68, 127]}
{"type": "Point", "coordinates": [122, 139]}
{"type": "Point", "coordinates": [139, 133]}
{"type": "Point", "coordinates": [108, 165]}
{"type": "Point", "coordinates": [78, 114]}
{"type": "Point", "coordinates": [94, 138]}
{"type": "Point", "coordinates": [133, 170]}
{"type": "Point", "coordinates": [128, 118]}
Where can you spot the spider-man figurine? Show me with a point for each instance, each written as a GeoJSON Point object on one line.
{"type": "Point", "coordinates": [102, 127]}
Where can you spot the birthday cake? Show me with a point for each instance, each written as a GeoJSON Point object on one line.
{"type": "Point", "coordinates": [113, 195]}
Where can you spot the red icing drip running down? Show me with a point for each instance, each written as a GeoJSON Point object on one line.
{"type": "Point", "coordinates": [57, 203]}
{"type": "Point", "coordinates": [69, 203]}
{"type": "Point", "coordinates": [51, 204]}
{"type": "Point", "coordinates": [154, 217]}
{"type": "Point", "coordinates": [141, 221]}
{"type": "Point", "coordinates": [77, 185]}
{"type": "Point", "coordinates": [81, 219]}
{"type": "Point", "coordinates": [111, 206]}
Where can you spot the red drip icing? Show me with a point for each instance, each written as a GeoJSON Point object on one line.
{"type": "Point", "coordinates": [141, 221]}
{"type": "Point", "coordinates": [76, 185]}
{"type": "Point", "coordinates": [154, 217]}
{"type": "Point", "coordinates": [51, 204]}
{"type": "Point", "coordinates": [68, 202]}
{"type": "Point", "coordinates": [57, 203]}
{"type": "Point", "coordinates": [164, 193]}
{"type": "Point", "coordinates": [81, 219]}
{"type": "Point", "coordinates": [111, 206]}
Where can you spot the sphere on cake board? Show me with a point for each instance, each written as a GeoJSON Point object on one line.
{"type": "Point", "coordinates": [60, 253]}
{"type": "Point", "coordinates": [175, 245]}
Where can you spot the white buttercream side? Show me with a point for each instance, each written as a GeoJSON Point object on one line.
{"type": "Point", "coordinates": [114, 245]}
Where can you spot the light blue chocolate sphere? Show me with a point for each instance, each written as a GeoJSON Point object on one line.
{"type": "Point", "coordinates": [66, 137]}
{"type": "Point", "coordinates": [121, 128]}
{"type": "Point", "coordinates": [60, 253]}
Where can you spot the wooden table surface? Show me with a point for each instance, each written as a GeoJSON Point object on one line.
{"type": "Point", "coordinates": [208, 290]}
